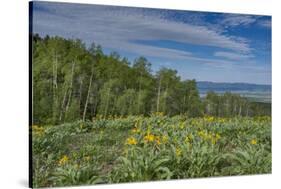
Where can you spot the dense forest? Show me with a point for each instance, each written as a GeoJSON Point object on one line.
{"type": "Point", "coordinates": [72, 81]}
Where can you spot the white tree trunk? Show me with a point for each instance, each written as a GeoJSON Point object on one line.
{"type": "Point", "coordinates": [70, 87]}
{"type": "Point", "coordinates": [55, 86]}
{"type": "Point", "coordinates": [87, 99]}
{"type": "Point", "coordinates": [158, 95]}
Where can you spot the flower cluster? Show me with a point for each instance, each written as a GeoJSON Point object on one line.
{"type": "Point", "coordinates": [149, 138]}
{"type": "Point", "coordinates": [131, 141]}
{"type": "Point", "coordinates": [63, 160]}
{"type": "Point", "coordinates": [212, 137]}
{"type": "Point", "coordinates": [37, 130]}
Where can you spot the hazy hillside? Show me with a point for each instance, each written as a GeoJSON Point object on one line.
{"type": "Point", "coordinates": [255, 92]}
{"type": "Point", "coordinates": [206, 85]}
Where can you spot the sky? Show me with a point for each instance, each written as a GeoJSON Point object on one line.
{"type": "Point", "coordinates": [205, 46]}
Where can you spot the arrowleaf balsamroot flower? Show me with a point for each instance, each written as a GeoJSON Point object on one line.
{"type": "Point", "coordinates": [165, 139]}
{"type": "Point", "coordinates": [131, 141]}
{"type": "Point", "coordinates": [63, 160]}
{"type": "Point", "coordinates": [178, 152]}
{"type": "Point", "coordinates": [157, 140]}
{"type": "Point", "coordinates": [149, 138]}
{"type": "Point", "coordinates": [253, 142]}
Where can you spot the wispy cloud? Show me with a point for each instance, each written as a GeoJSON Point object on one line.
{"type": "Point", "coordinates": [115, 27]}
{"type": "Point", "coordinates": [234, 20]}
{"type": "Point", "coordinates": [265, 23]}
{"type": "Point", "coordinates": [233, 56]}
{"type": "Point", "coordinates": [230, 20]}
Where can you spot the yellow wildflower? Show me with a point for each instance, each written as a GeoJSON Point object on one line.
{"type": "Point", "coordinates": [63, 160]}
{"type": "Point", "coordinates": [87, 158]}
{"type": "Point", "coordinates": [201, 134]}
{"type": "Point", "coordinates": [209, 118]}
{"type": "Point", "coordinates": [38, 130]}
{"type": "Point", "coordinates": [149, 138]}
{"type": "Point", "coordinates": [215, 138]}
{"type": "Point", "coordinates": [157, 139]}
{"type": "Point", "coordinates": [182, 124]}
{"type": "Point", "coordinates": [221, 120]}
{"type": "Point", "coordinates": [131, 141]}
{"type": "Point", "coordinates": [35, 127]}
{"type": "Point", "coordinates": [178, 152]}
{"type": "Point", "coordinates": [218, 136]}
{"type": "Point", "coordinates": [159, 114]}
{"type": "Point", "coordinates": [254, 142]}
{"type": "Point", "coordinates": [187, 139]}
{"type": "Point", "coordinates": [165, 139]}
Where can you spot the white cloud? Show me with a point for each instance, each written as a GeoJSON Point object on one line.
{"type": "Point", "coordinates": [237, 20]}
{"type": "Point", "coordinates": [265, 23]}
{"type": "Point", "coordinates": [119, 28]}
{"type": "Point", "coordinates": [233, 20]}
{"type": "Point", "coordinates": [233, 56]}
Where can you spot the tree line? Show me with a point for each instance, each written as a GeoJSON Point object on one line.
{"type": "Point", "coordinates": [71, 81]}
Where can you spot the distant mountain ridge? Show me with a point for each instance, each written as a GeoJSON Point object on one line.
{"type": "Point", "coordinates": [214, 86]}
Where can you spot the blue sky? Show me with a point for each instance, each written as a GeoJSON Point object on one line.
{"type": "Point", "coordinates": [199, 45]}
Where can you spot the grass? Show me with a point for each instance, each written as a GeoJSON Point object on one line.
{"type": "Point", "coordinates": [136, 148]}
